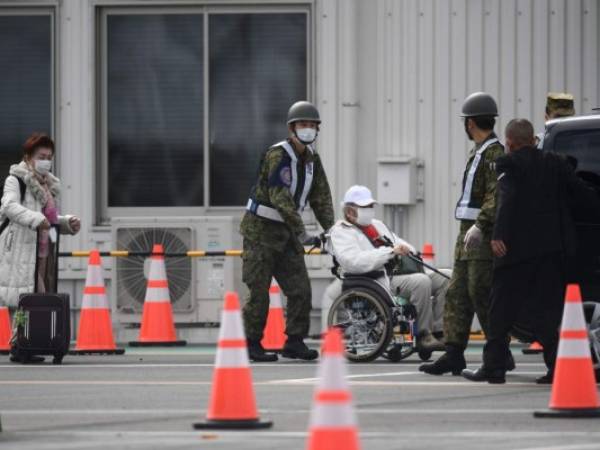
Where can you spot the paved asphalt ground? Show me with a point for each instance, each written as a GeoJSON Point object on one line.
{"type": "Point", "coordinates": [149, 399]}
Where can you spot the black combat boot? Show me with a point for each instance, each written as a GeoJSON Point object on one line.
{"type": "Point", "coordinates": [295, 348]}
{"type": "Point", "coordinates": [493, 376]}
{"type": "Point", "coordinates": [257, 353]}
{"type": "Point", "coordinates": [453, 361]}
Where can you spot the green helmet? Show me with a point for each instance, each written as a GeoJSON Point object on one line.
{"type": "Point", "coordinates": [303, 110]}
{"type": "Point", "coordinates": [479, 104]}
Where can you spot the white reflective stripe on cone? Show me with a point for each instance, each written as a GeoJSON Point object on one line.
{"type": "Point", "coordinates": [275, 300]}
{"type": "Point", "coordinates": [157, 295]}
{"type": "Point", "coordinates": [332, 373]}
{"type": "Point", "coordinates": [158, 270]}
{"type": "Point", "coordinates": [94, 276]}
{"type": "Point", "coordinates": [232, 358]}
{"type": "Point", "coordinates": [231, 326]}
{"type": "Point", "coordinates": [97, 301]}
{"type": "Point", "coordinates": [574, 348]}
{"type": "Point", "coordinates": [573, 317]}
{"type": "Point", "coordinates": [332, 415]}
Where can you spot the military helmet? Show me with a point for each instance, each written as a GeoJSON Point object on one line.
{"type": "Point", "coordinates": [479, 104]}
{"type": "Point", "coordinates": [303, 110]}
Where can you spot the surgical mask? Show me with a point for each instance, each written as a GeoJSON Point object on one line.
{"type": "Point", "coordinates": [43, 166]}
{"type": "Point", "coordinates": [306, 135]}
{"type": "Point", "coordinates": [365, 216]}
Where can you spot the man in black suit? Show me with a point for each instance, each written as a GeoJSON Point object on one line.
{"type": "Point", "coordinates": [533, 234]}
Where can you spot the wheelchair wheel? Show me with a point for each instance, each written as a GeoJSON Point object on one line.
{"type": "Point", "coordinates": [365, 321]}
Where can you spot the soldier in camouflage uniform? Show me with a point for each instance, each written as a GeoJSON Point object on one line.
{"type": "Point", "coordinates": [558, 106]}
{"type": "Point", "coordinates": [290, 176]}
{"type": "Point", "coordinates": [470, 285]}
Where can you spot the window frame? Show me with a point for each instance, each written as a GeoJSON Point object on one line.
{"type": "Point", "coordinates": [104, 213]}
{"type": "Point", "coordinates": [50, 10]}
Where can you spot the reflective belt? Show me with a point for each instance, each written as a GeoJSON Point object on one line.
{"type": "Point", "coordinates": [268, 212]}
{"type": "Point", "coordinates": [263, 211]}
{"type": "Point", "coordinates": [464, 210]}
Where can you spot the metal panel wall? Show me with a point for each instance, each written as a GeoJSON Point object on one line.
{"type": "Point", "coordinates": [390, 79]}
{"type": "Point", "coordinates": [425, 56]}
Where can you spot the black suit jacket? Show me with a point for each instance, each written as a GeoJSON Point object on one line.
{"type": "Point", "coordinates": [537, 196]}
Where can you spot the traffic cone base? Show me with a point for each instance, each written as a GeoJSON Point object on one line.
{"type": "Point", "coordinates": [5, 331]}
{"type": "Point", "coordinates": [572, 413]}
{"type": "Point", "coordinates": [233, 424]}
{"type": "Point", "coordinates": [232, 404]}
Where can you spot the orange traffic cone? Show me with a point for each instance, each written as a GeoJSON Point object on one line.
{"type": "Point", "coordinates": [574, 391]}
{"type": "Point", "coordinates": [332, 420]}
{"type": "Point", "coordinates": [158, 328]}
{"type": "Point", "coordinates": [427, 254]}
{"type": "Point", "coordinates": [533, 349]}
{"type": "Point", "coordinates": [5, 331]}
{"type": "Point", "coordinates": [232, 403]}
{"type": "Point", "coordinates": [274, 334]}
{"type": "Point", "coordinates": [95, 328]}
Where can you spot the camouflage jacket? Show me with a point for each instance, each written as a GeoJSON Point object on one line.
{"type": "Point", "coordinates": [273, 189]}
{"type": "Point", "coordinates": [483, 193]}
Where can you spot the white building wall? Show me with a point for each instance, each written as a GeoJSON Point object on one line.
{"type": "Point", "coordinates": [418, 60]}
{"type": "Point", "coordinates": [390, 79]}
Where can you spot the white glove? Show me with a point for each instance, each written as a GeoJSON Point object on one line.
{"type": "Point", "coordinates": [473, 237]}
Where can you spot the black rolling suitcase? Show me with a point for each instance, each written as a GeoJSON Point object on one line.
{"type": "Point", "coordinates": [43, 320]}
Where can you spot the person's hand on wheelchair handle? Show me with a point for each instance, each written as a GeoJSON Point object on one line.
{"type": "Point", "coordinates": [401, 250]}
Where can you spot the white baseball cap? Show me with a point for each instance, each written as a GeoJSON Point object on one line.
{"type": "Point", "coordinates": [359, 195]}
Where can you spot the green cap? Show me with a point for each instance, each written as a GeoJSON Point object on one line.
{"type": "Point", "coordinates": [560, 104]}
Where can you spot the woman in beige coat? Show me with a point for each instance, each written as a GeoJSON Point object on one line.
{"type": "Point", "coordinates": [25, 213]}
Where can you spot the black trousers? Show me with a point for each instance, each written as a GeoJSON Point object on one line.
{"type": "Point", "coordinates": [534, 288]}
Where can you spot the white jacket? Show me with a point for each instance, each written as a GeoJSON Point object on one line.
{"type": "Point", "coordinates": [18, 242]}
{"type": "Point", "coordinates": [355, 253]}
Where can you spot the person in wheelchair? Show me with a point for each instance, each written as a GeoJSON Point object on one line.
{"type": "Point", "coordinates": [361, 244]}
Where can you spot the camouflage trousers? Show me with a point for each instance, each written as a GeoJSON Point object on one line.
{"type": "Point", "coordinates": [260, 265]}
{"type": "Point", "coordinates": [468, 294]}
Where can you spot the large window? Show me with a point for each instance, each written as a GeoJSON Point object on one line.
{"type": "Point", "coordinates": [25, 81]}
{"type": "Point", "coordinates": [190, 101]}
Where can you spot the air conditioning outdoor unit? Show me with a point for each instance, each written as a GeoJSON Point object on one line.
{"type": "Point", "coordinates": [196, 285]}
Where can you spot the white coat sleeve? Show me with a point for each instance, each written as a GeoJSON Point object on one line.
{"type": "Point", "coordinates": [12, 209]}
{"type": "Point", "coordinates": [352, 258]}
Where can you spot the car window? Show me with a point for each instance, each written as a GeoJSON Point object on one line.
{"type": "Point", "coordinates": [582, 148]}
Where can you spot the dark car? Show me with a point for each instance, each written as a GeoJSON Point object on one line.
{"type": "Point", "coordinates": [579, 139]}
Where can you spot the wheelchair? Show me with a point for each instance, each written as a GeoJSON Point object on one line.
{"type": "Point", "coordinates": [373, 321]}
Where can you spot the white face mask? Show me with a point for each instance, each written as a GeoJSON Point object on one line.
{"type": "Point", "coordinates": [43, 166]}
{"type": "Point", "coordinates": [306, 135]}
{"type": "Point", "coordinates": [365, 216]}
